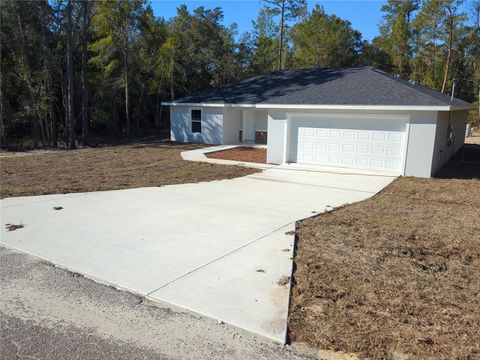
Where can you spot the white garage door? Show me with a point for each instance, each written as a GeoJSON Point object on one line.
{"type": "Point", "coordinates": [357, 142]}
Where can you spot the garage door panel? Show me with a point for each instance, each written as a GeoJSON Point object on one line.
{"type": "Point", "coordinates": [335, 134]}
{"type": "Point", "coordinates": [378, 150]}
{"type": "Point", "coordinates": [334, 147]}
{"type": "Point", "coordinates": [362, 135]}
{"type": "Point", "coordinates": [334, 159]}
{"type": "Point", "coordinates": [307, 145]}
{"type": "Point", "coordinates": [321, 146]}
{"type": "Point", "coordinates": [360, 143]}
{"type": "Point", "coordinates": [392, 165]}
{"type": "Point", "coordinates": [349, 135]}
{"type": "Point", "coordinates": [394, 151]}
{"type": "Point", "coordinates": [377, 164]}
{"type": "Point", "coordinates": [308, 132]}
{"type": "Point", "coordinates": [348, 161]}
{"type": "Point", "coordinates": [348, 147]}
{"type": "Point", "coordinates": [361, 162]}
{"type": "Point", "coordinates": [363, 149]}
{"type": "Point", "coordinates": [320, 158]}
{"type": "Point", "coordinates": [379, 136]}
{"type": "Point", "coordinates": [321, 133]}
{"type": "Point", "coordinates": [394, 137]}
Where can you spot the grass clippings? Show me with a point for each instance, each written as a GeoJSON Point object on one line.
{"type": "Point", "coordinates": [393, 277]}
{"type": "Point", "coordinates": [241, 153]}
{"type": "Point", "coordinates": [107, 168]}
{"type": "Point", "coordinates": [13, 227]}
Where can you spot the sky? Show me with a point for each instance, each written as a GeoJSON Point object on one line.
{"type": "Point", "coordinates": [365, 15]}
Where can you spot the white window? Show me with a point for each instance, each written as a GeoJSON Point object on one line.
{"type": "Point", "coordinates": [196, 121]}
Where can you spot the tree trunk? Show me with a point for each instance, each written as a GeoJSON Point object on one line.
{"type": "Point", "coordinates": [449, 55]}
{"type": "Point", "coordinates": [157, 104]}
{"type": "Point", "coordinates": [280, 49]}
{"type": "Point", "coordinates": [2, 124]}
{"type": "Point", "coordinates": [447, 69]}
{"type": "Point", "coordinates": [115, 110]}
{"type": "Point", "coordinates": [71, 118]}
{"type": "Point", "coordinates": [85, 111]}
{"type": "Point", "coordinates": [434, 65]}
{"type": "Point", "coordinates": [21, 27]}
{"type": "Point", "coordinates": [137, 120]}
{"type": "Point", "coordinates": [127, 114]}
{"type": "Point", "coordinates": [54, 125]}
{"type": "Point", "coordinates": [139, 110]}
{"type": "Point", "coordinates": [172, 94]}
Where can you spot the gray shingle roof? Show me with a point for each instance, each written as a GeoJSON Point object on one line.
{"type": "Point", "coordinates": [324, 86]}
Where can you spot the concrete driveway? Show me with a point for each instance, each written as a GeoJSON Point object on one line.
{"type": "Point", "coordinates": [218, 248]}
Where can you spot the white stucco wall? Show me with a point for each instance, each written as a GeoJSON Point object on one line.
{"type": "Point", "coordinates": [459, 121]}
{"type": "Point", "coordinates": [277, 131]}
{"type": "Point", "coordinates": [441, 151]}
{"type": "Point", "coordinates": [421, 137]}
{"type": "Point", "coordinates": [232, 123]}
{"type": "Point", "coordinates": [421, 140]}
{"type": "Point", "coordinates": [181, 125]}
{"type": "Point", "coordinates": [261, 120]}
{"type": "Point", "coordinates": [248, 125]}
{"type": "Point", "coordinates": [444, 149]}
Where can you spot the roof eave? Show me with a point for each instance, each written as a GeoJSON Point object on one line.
{"type": "Point", "coordinates": [329, 107]}
{"type": "Point", "coordinates": [463, 107]}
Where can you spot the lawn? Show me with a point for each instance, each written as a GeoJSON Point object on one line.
{"type": "Point", "coordinates": [394, 277]}
{"type": "Point", "coordinates": [114, 167]}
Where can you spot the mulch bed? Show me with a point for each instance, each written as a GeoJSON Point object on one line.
{"type": "Point", "coordinates": [242, 153]}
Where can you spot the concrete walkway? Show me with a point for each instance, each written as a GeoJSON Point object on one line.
{"type": "Point", "coordinates": [218, 248]}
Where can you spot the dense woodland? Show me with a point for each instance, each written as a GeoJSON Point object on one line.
{"type": "Point", "coordinates": [71, 69]}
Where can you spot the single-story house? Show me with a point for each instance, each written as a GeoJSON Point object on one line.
{"type": "Point", "coordinates": [352, 117]}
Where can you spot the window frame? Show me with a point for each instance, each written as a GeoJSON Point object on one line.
{"type": "Point", "coordinates": [196, 121]}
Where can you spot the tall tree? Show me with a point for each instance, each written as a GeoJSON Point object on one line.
{"type": "Point", "coordinates": [117, 26]}
{"type": "Point", "coordinates": [439, 24]}
{"type": "Point", "coordinates": [396, 32]}
{"type": "Point", "coordinates": [452, 20]}
{"type": "Point", "coordinates": [264, 42]}
{"type": "Point", "coordinates": [86, 17]}
{"type": "Point", "coordinates": [150, 65]}
{"type": "Point", "coordinates": [473, 56]}
{"type": "Point", "coordinates": [322, 40]}
{"type": "Point", "coordinates": [287, 10]}
{"type": "Point", "coordinates": [70, 77]}
{"type": "Point", "coordinates": [372, 54]}
{"type": "Point", "coordinates": [31, 63]}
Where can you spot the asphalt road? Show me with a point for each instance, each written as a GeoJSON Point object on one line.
{"type": "Point", "coordinates": [50, 313]}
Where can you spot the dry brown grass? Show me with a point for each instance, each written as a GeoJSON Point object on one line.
{"type": "Point", "coordinates": [241, 153]}
{"type": "Point", "coordinates": [393, 277]}
{"type": "Point", "coordinates": [105, 168]}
